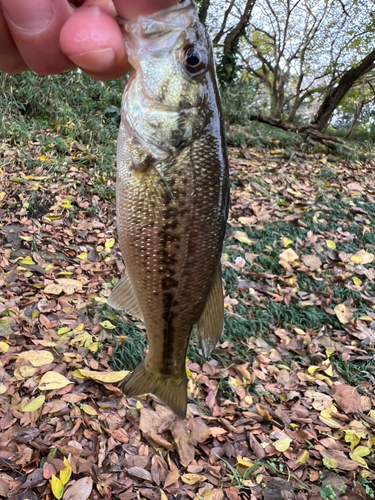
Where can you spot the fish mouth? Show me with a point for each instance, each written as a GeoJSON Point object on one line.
{"type": "Point", "coordinates": [161, 23]}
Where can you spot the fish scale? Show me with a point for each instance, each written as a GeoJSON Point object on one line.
{"type": "Point", "coordinates": [172, 202]}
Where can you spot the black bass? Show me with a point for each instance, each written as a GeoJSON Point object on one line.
{"type": "Point", "coordinates": [172, 197]}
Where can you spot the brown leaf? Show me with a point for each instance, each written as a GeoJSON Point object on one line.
{"type": "Point", "coordinates": [311, 261]}
{"type": "Point", "coordinates": [347, 398]}
{"type": "Point", "coordinates": [80, 490]}
{"type": "Point", "coordinates": [171, 478]}
{"type": "Point", "coordinates": [139, 472]}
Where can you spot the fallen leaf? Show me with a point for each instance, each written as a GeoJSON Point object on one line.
{"type": "Point", "coordinates": [193, 478]}
{"type": "Point", "coordinates": [52, 381]}
{"type": "Point", "coordinates": [66, 472]}
{"type": "Point", "coordinates": [313, 262]}
{"type": "Point", "coordinates": [331, 244]}
{"type": "Point", "coordinates": [37, 358]}
{"type": "Point", "coordinates": [34, 405]}
{"type": "Point", "coordinates": [347, 398]}
{"type": "Point", "coordinates": [288, 255]}
{"type": "Point", "coordinates": [80, 490]}
{"type": "Point", "coordinates": [171, 478]}
{"type": "Point", "coordinates": [57, 487]}
{"type": "Point", "coordinates": [104, 377]}
{"type": "Point", "coordinates": [344, 313]}
{"type": "Point", "coordinates": [282, 444]}
{"type": "Point", "coordinates": [242, 237]}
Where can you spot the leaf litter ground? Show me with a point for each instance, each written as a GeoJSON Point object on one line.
{"type": "Point", "coordinates": [284, 408]}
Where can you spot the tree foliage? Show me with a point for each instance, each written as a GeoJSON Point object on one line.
{"type": "Point", "coordinates": [305, 55]}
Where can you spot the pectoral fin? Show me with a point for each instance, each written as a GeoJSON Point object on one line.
{"type": "Point", "coordinates": [211, 322]}
{"type": "Point", "coordinates": [123, 297]}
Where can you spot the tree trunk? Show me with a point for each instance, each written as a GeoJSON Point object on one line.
{"type": "Point", "coordinates": [305, 130]}
{"type": "Point", "coordinates": [227, 68]}
{"type": "Point", "coordinates": [358, 110]}
{"type": "Point", "coordinates": [205, 4]}
{"type": "Point", "coordinates": [336, 94]}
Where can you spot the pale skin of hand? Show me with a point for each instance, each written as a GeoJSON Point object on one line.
{"type": "Point", "coordinates": [52, 36]}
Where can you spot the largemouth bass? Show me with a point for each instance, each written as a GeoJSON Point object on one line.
{"type": "Point", "coordinates": [172, 197]}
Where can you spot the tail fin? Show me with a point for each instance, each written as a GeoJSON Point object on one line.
{"type": "Point", "coordinates": [173, 393]}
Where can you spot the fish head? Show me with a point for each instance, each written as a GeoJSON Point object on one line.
{"type": "Point", "coordinates": [165, 102]}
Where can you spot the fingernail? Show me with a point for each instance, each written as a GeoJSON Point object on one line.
{"type": "Point", "coordinates": [29, 15]}
{"type": "Point", "coordinates": [97, 60]}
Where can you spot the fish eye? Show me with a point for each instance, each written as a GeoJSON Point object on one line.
{"type": "Point", "coordinates": [193, 59]}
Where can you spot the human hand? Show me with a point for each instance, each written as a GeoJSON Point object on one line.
{"type": "Point", "coordinates": [51, 36]}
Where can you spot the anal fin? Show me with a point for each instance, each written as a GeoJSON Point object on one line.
{"type": "Point", "coordinates": [123, 297]}
{"type": "Point", "coordinates": [211, 323]}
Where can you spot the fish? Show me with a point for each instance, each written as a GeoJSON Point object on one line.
{"type": "Point", "coordinates": [172, 197]}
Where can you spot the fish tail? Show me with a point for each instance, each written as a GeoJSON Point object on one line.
{"type": "Point", "coordinates": [172, 392]}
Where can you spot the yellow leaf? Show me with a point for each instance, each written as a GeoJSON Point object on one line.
{"type": "Point", "coordinates": [66, 204]}
{"type": "Point", "coordinates": [249, 400]}
{"type": "Point", "coordinates": [37, 358]}
{"type": "Point", "coordinates": [65, 473]}
{"type": "Point", "coordinates": [329, 371]}
{"type": "Point", "coordinates": [329, 353]}
{"type": "Point", "coordinates": [138, 405]}
{"type": "Point", "coordinates": [26, 371]}
{"type": "Point", "coordinates": [193, 478]}
{"type": "Point", "coordinates": [330, 422]}
{"type": "Point", "coordinates": [242, 237]}
{"type": "Point", "coordinates": [57, 487]}
{"type": "Point", "coordinates": [42, 158]}
{"type": "Point", "coordinates": [80, 327]}
{"type": "Point", "coordinates": [94, 347]}
{"type": "Point", "coordinates": [52, 381]}
{"type": "Point", "coordinates": [244, 461]}
{"type": "Point", "coordinates": [331, 463]}
{"type": "Point", "coordinates": [366, 318]}
{"type": "Point", "coordinates": [78, 374]}
{"type": "Point", "coordinates": [100, 300]}
{"type": "Point", "coordinates": [329, 411]}
{"type": "Point", "coordinates": [362, 257]}
{"type": "Point", "coordinates": [235, 382]}
{"type": "Point", "coordinates": [27, 261]}
{"type": "Point", "coordinates": [312, 369]}
{"type": "Point", "coordinates": [356, 280]}
{"type": "Point", "coordinates": [109, 244]}
{"type": "Point", "coordinates": [35, 314]}
{"type": "Point", "coordinates": [64, 273]}
{"type": "Point", "coordinates": [107, 325]}
{"type": "Point", "coordinates": [63, 330]}
{"type": "Point", "coordinates": [163, 496]}
{"type": "Point", "coordinates": [353, 439]}
{"type": "Point", "coordinates": [302, 457]}
{"type": "Point", "coordinates": [34, 405]}
{"type": "Point", "coordinates": [4, 347]}
{"type": "Point", "coordinates": [286, 242]}
{"type": "Point", "coordinates": [282, 444]}
{"type": "Point", "coordinates": [331, 244]}
{"type": "Point", "coordinates": [89, 410]}
{"type": "Point", "coordinates": [104, 377]}
{"type": "Point", "coordinates": [358, 453]}
{"type": "Point", "coordinates": [83, 255]}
